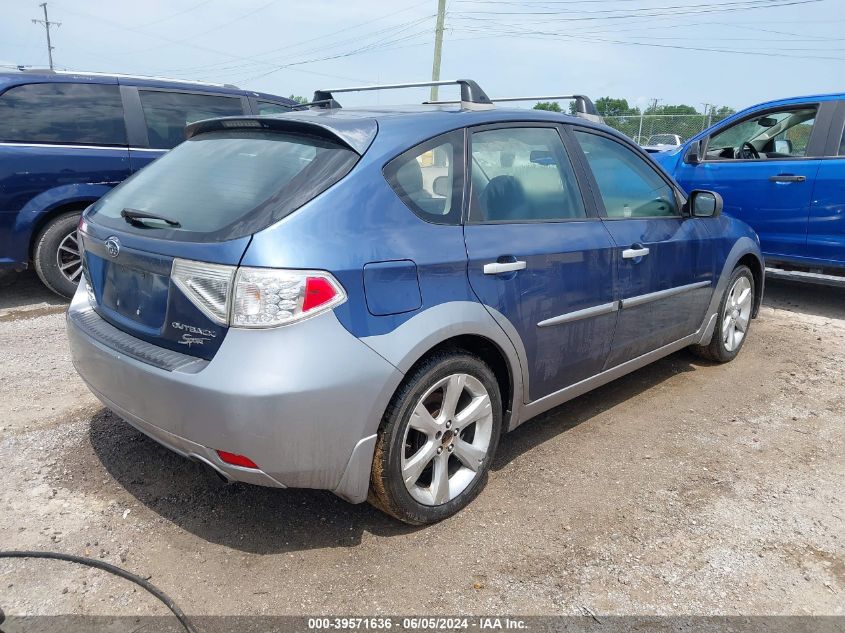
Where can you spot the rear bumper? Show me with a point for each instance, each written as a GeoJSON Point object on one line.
{"type": "Point", "coordinates": [303, 401]}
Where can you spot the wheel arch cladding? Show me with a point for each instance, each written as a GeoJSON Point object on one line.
{"type": "Point", "coordinates": [758, 272]}
{"type": "Point", "coordinates": [459, 324]}
{"type": "Point", "coordinates": [491, 354]}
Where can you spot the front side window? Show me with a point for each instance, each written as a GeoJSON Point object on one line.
{"type": "Point", "coordinates": [226, 184]}
{"type": "Point", "coordinates": [629, 186]}
{"type": "Point", "coordinates": [428, 178]}
{"type": "Point", "coordinates": [522, 175]}
{"type": "Point", "coordinates": [64, 113]}
{"type": "Point", "coordinates": [167, 113]}
{"type": "Point", "coordinates": [772, 135]}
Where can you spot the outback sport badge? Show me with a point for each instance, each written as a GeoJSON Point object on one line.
{"type": "Point", "coordinates": [193, 335]}
{"type": "Point", "coordinates": [113, 246]}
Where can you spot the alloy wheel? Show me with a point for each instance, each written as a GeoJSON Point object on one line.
{"type": "Point", "coordinates": [69, 257]}
{"type": "Point", "coordinates": [446, 440]}
{"type": "Point", "coordinates": [737, 314]}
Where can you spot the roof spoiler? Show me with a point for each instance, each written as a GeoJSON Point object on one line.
{"type": "Point", "coordinates": [584, 106]}
{"type": "Point", "coordinates": [472, 96]}
{"type": "Point", "coordinates": [356, 134]}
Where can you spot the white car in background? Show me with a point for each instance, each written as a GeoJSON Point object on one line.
{"type": "Point", "coordinates": [662, 142]}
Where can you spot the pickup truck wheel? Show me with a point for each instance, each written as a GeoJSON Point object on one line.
{"type": "Point", "coordinates": [734, 319]}
{"type": "Point", "coordinates": [440, 435]}
{"type": "Point", "coordinates": [57, 255]}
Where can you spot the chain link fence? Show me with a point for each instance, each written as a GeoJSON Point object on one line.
{"type": "Point", "coordinates": [655, 129]}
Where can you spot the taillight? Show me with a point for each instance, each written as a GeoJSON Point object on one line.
{"type": "Point", "coordinates": [266, 297]}
{"type": "Point", "coordinates": [208, 286]}
{"type": "Point", "coordinates": [256, 297]}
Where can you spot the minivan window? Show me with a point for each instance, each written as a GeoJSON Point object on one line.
{"type": "Point", "coordinates": [226, 184]}
{"type": "Point", "coordinates": [167, 113]}
{"type": "Point", "coordinates": [64, 113]}
{"type": "Point", "coordinates": [268, 107]}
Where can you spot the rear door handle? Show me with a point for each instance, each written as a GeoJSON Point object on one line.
{"type": "Point", "coordinates": [497, 268]}
{"type": "Point", "coordinates": [632, 253]}
{"type": "Point", "coordinates": [787, 178]}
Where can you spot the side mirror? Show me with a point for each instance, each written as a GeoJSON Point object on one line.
{"type": "Point", "coordinates": [693, 155]}
{"type": "Point", "coordinates": [705, 204]}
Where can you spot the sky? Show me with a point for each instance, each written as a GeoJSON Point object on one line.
{"type": "Point", "coordinates": [722, 52]}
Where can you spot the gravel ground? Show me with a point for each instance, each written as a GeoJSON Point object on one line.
{"type": "Point", "coordinates": [684, 488]}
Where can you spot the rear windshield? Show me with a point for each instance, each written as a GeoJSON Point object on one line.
{"type": "Point", "coordinates": [227, 184]}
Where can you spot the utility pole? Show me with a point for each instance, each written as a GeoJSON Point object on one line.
{"type": "Point", "coordinates": [438, 47]}
{"type": "Point", "coordinates": [708, 113]}
{"type": "Point", "coordinates": [47, 24]}
{"type": "Point", "coordinates": [653, 109]}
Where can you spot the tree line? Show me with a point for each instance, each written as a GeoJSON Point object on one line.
{"type": "Point", "coordinates": [684, 120]}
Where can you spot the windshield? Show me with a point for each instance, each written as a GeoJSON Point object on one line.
{"type": "Point", "coordinates": [225, 184]}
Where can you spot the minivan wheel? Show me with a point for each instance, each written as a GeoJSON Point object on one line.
{"type": "Point", "coordinates": [438, 439]}
{"type": "Point", "coordinates": [57, 254]}
{"type": "Point", "coordinates": [734, 319]}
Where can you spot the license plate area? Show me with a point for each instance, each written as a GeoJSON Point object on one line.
{"type": "Point", "coordinates": [135, 294]}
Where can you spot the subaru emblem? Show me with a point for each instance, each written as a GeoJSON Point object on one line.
{"type": "Point", "coordinates": [113, 246]}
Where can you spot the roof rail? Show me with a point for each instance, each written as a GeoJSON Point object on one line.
{"type": "Point", "coordinates": [584, 106]}
{"type": "Point", "coordinates": [472, 96]}
{"type": "Point", "coordinates": [87, 73]}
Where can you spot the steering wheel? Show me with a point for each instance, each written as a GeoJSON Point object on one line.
{"type": "Point", "coordinates": [747, 150]}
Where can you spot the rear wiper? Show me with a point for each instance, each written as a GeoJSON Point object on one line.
{"type": "Point", "coordinates": [137, 218]}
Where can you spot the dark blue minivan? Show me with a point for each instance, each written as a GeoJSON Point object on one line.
{"type": "Point", "coordinates": [67, 138]}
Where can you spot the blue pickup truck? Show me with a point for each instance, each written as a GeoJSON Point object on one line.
{"type": "Point", "coordinates": [67, 138]}
{"type": "Point", "coordinates": [780, 167]}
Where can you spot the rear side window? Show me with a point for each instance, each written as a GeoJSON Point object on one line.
{"type": "Point", "coordinates": [629, 186]}
{"type": "Point", "coordinates": [64, 113]}
{"type": "Point", "coordinates": [167, 113]}
{"type": "Point", "coordinates": [523, 175]}
{"type": "Point", "coordinates": [227, 184]}
{"type": "Point", "coordinates": [429, 178]}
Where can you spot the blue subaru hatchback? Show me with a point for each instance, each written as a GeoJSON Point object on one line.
{"type": "Point", "coordinates": [780, 167]}
{"type": "Point", "coordinates": [66, 138]}
{"type": "Point", "coordinates": [364, 300]}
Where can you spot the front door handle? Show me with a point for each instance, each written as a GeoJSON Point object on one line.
{"type": "Point", "coordinates": [497, 268]}
{"type": "Point", "coordinates": [787, 178]}
{"type": "Point", "coordinates": [633, 253]}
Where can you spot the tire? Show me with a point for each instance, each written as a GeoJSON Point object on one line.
{"type": "Point", "coordinates": [734, 319]}
{"type": "Point", "coordinates": [426, 446]}
{"type": "Point", "coordinates": [55, 263]}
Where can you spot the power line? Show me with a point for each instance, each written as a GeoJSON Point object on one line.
{"type": "Point", "coordinates": [559, 35]}
{"type": "Point", "coordinates": [47, 24]}
{"type": "Point", "coordinates": [632, 14]}
{"type": "Point", "coordinates": [173, 15]}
